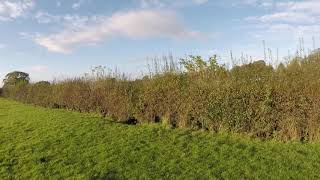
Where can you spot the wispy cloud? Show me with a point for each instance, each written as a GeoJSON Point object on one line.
{"type": "Point", "coordinates": [308, 6]}
{"type": "Point", "coordinates": [200, 1]}
{"type": "Point", "coordinates": [2, 46]}
{"type": "Point", "coordinates": [78, 4]}
{"type": "Point", "coordinates": [290, 18]}
{"type": "Point", "coordinates": [255, 3]}
{"type": "Point", "coordinates": [168, 3]}
{"type": "Point", "coordinates": [131, 24]}
{"type": "Point", "coordinates": [285, 17]}
{"type": "Point", "coordinates": [292, 12]}
{"type": "Point", "coordinates": [36, 69]}
{"type": "Point", "coordinates": [58, 4]}
{"type": "Point", "coordinates": [13, 9]}
{"type": "Point", "coordinates": [71, 21]}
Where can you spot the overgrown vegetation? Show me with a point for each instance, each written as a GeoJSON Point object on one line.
{"type": "Point", "coordinates": [257, 99]}
{"type": "Point", "coordinates": [39, 143]}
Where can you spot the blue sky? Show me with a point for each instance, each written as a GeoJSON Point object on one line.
{"type": "Point", "coordinates": [64, 38]}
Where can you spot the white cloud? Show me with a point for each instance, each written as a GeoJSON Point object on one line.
{"type": "Point", "coordinates": [167, 3]}
{"type": "Point", "coordinates": [131, 24]}
{"type": "Point", "coordinates": [13, 9]}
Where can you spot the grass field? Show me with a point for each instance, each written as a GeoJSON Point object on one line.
{"type": "Point", "coordinates": [38, 143]}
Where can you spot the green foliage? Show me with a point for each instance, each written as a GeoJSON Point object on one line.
{"type": "Point", "coordinates": [256, 98]}
{"type": "Point", "coordinates": [15, 84]}
{"type": "Point", "coordinates": [39, 143]}
{"type": "Point", "coordinates": [198, 64]}
{"type": "Point", "coordinates": [43, 83]}
{"type": "Point", "coordinates": [15, 78]}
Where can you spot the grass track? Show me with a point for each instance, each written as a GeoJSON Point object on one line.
{"type": "Point", "coordinates": [38, 143]}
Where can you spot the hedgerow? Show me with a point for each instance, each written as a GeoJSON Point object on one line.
{"type": "Point", "coordinates": [279, 102]}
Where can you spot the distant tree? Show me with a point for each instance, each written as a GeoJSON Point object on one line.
{"type": "Point", "coordinates": [43, 83]}
{"type": "Point", "coordinates": [15, 78]}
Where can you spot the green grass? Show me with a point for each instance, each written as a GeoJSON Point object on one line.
{"type": "Point", "coordinates": [38, 143]}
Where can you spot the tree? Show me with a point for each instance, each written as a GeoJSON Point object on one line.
{"type": "Point", "coordinates": [42, 83]}
{"type": "Point", "coordinates": [15, 78]}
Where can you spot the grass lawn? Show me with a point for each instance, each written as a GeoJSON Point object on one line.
{"type": "Point", "coordinates": [38, 143]}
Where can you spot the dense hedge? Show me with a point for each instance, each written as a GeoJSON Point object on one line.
{"type": "Point", "coordinates": [256, 99]}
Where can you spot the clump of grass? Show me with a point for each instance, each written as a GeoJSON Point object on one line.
{"type": "Point", "coordinates": [269, 102]}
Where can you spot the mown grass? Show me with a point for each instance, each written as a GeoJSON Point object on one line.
{"type": "Point", "coordinates": [39, 143]}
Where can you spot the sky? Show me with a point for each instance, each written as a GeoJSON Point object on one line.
{"type": "Point", "coordinates": [55, 39]}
